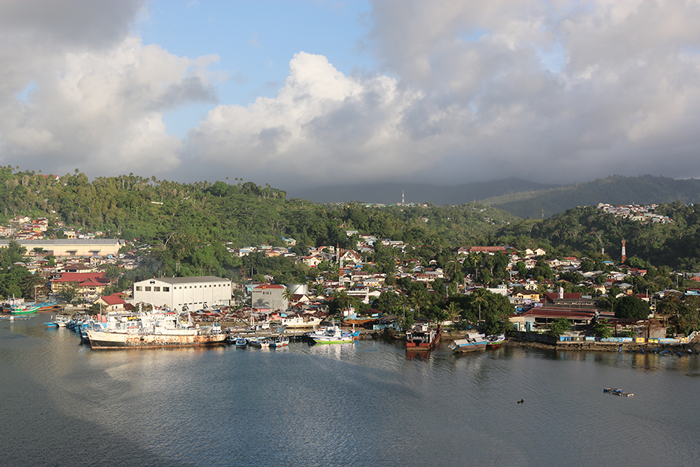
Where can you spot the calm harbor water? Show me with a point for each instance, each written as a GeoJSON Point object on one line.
{"type": "Point", "coordinates": [363, 404]}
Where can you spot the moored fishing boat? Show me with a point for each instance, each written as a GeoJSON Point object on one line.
{"type": "Point", "coordinates": [20, 307]}
{"type": "Point", "coordinates": [471, 342]}
{"type": "Point", "coordinates": [154, 330]}
{"type": "Point", "coordinates": [44, 306]}
{"type": "Point", "coordinates": [494, 342]}
{"type": "Point", "coordinates": [259, 342]}
{"type": "Point", "coordinates": [279, 342]}
{"type": "Point", "coordinates": [330, 335]}
{"type": "Point", "coordinates": [61, 320]}
{"type": "Point", "coordinates": [422, 339]}
{"type": "Point", "coordinates": [241, 342]}
{"type": "Point", "coordinates": [23, 308]}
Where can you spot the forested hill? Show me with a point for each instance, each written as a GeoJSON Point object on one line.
{"type": "Point", "coordinates": [164, 213]}
{"type": "Point", "coordinates": [589, 231]}
{"type": "Point", "coordinates": [188, 224]}
{"type": "Point", "coordinates": [643, 190]}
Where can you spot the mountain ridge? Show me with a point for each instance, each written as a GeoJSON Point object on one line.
{"type": "Point", "coordinates": [521, 198]}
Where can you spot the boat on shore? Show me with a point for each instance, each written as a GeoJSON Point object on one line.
{"type": "Point", "coordinates": [153, 330]}
{"type": "Point", "coordinates": [494, 342]}
{"type": "Point", "coordinates": [296, 322]}
{"type": "Point", "coordinates": [20, 307]}
{"type": "Point", "coordinates": [471, 342]}
{"type": "Point", "coordinates": [421, 339]}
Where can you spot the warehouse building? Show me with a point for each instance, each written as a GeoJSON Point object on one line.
{"type": "Point", "coordinates": [73, 247]}
{"type": "Point", "coordinates": [175, 292]}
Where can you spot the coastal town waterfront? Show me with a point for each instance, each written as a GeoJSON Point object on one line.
{"type": "Point", "coordinates": [363, 403]}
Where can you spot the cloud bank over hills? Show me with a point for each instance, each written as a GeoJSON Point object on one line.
{"type": "Point", "coordinates": [554, 92]}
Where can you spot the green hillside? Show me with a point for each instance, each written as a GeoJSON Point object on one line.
{"type": "Point", "coordinates": [189, 226]}
{"type": "Point", "coordinates": [644, 189]}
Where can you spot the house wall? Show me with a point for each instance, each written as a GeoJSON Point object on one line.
{"type": "Point", "coordinates": [264, 297]}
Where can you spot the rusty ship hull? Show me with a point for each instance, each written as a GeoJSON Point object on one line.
{"type": "Point", "coordinates": [106, 340]}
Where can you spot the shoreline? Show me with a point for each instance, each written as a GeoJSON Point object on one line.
{"type": "Point", "coordinates": [694, 347]}
{"type": "Point", "coordinates": [365, 334]}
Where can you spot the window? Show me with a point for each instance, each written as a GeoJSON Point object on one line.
{"type": "Point", "coordinates": [166, 289]}
{"type": "Point", "coordinates": [156, 289]}
{"type": "Point", "coordinates": [138, 288]}
{"type": "Point", "coordinates": [148, 288]}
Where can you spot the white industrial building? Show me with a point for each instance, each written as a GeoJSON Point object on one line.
{"type": "Point", "coordinates": [71, 247]}
{"type": "Point", "coordinates": [175, 292]}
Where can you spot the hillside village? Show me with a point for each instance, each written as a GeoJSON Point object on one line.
{"type": "Point", "coordinates": [538, 288]}
{"type": "Point", "coordinates": [634, 212]}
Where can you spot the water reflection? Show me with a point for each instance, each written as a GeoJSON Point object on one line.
{"type": "Point", "coordinates": [367, 403]}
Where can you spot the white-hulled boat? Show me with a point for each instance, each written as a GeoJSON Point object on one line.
{"type": "Point", "coordinates": [331, 335]}
{"type": "Point", "coordinates": [494, 342]}
{"type": "Point", "coordinates": [300, 322]}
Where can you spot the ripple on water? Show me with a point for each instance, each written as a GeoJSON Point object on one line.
{"type": "Point", "coordinates": [365, 403]}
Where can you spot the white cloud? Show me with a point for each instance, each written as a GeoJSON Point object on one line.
{"type": "Point", "coordinates": [96, 104]}
{"type": "Point", "coordinates": [556, 90]}
{"type": "Point", "coordinates": [459, 110]}
{"type": "Point", "coordinates": [321, 124]}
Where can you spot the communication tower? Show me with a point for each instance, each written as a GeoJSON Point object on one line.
{"type": "Point", "coordinates": [624, 252]}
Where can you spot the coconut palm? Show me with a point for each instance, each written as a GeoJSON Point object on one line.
{"type": "Point", "coordinates": [453, 311]}
{"type": "Point", "coordinates": [288, 295]}
{"type": "Point", "coordinates": [419, 298]}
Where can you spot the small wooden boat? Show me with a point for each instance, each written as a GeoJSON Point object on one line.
{"type": "Point", "coordinates": [471, 342]}
{"type": "Point", "coordinates": [279, 342]}
{"type": "Point", "coordinates": [259, 342]}
{"type": "Point", "coordinates": [241, 342]}
{"type": "Point", "coordinates": [494, 342]}
{"type": "Point", "coordinates": [618, 392]}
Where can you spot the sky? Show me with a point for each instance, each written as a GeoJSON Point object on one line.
{"type": "Point", "coordinates": [321, 93]}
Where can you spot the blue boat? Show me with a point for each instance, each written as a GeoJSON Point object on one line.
{"type": "Point", "coordinates": [472, 341]}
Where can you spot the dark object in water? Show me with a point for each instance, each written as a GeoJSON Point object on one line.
{"type": "Point", "coordinates": [521, 401]}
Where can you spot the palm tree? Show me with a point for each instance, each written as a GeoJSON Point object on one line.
{"type": "Point", "coordinates": [419, 298]}
{"type": "Point", "coordinates": [479, 298]}
{"type": "Point", "coordinates": [288, 295]}
{"type": "Point", "coordinates": [453, 311]}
